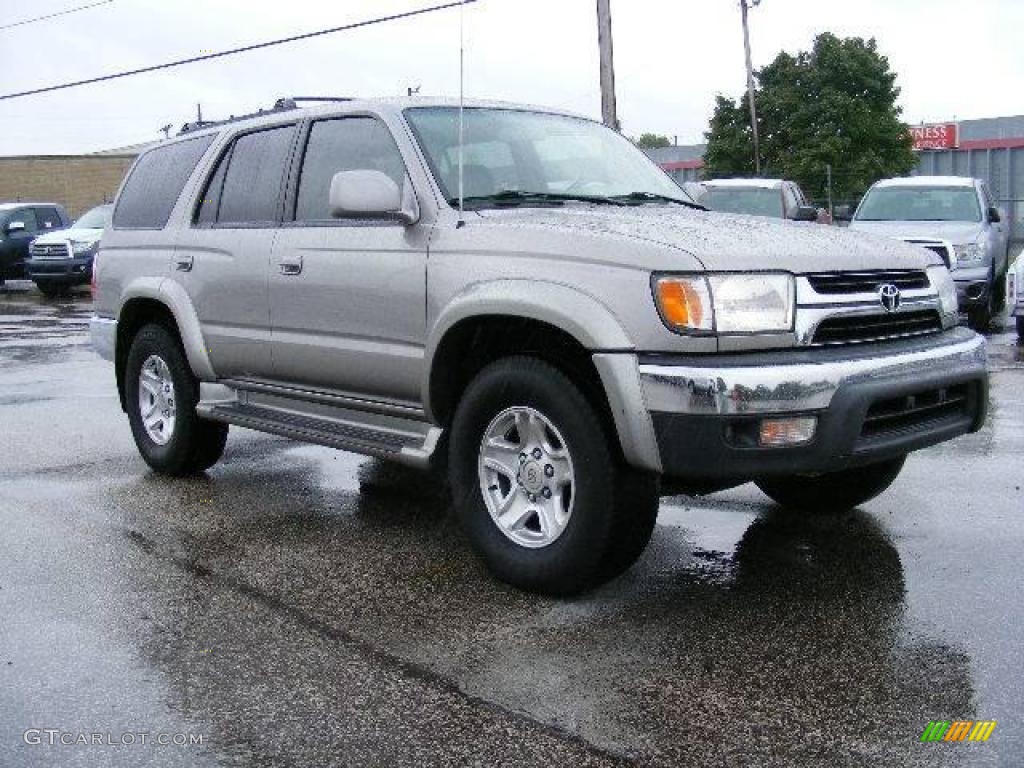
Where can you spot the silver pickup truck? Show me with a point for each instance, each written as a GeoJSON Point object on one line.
{"type": "Point", "coordinates": [520, 296]}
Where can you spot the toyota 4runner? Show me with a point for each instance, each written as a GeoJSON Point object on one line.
{"type": "Point", "coordinates": [521, 296]}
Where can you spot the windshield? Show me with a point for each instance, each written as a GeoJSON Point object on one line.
{"type": "Point", "coordinates": [757, 201]}
{"type": "Point", "coordinates": [920, 204]}
{"type": "Point", "coordinates": [532, 155]}
{"type": "Point", "coordinates": [97, 218]}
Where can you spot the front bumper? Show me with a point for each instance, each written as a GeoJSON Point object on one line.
{"type": "Point", "coordinates": [104, 336]}
{"type": "Point", "coordinates": [973, 286]}
{"type": "Point", "coordinates": [706, 412]}
{"type": "Point", "coordinates": [75, 271]}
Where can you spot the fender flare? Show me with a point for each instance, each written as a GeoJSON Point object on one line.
{"type": "Point", "coordinates": [173, 296]}
{"type": "Point", "coordinates": [583, 317]}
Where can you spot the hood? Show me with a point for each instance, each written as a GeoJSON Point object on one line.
{"type": "Point", "coordinates": [59, 236]}
{"type": "Point", "coordinates": [721, 241]}
{"type": "Point", "coordinates": [956, 232]}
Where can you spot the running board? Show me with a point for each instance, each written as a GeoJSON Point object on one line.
{"type": "Point", "coordinates": [407, 441]}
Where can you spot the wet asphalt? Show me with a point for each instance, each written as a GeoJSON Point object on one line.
{"type": "Point", "coordinates": [299, 606]}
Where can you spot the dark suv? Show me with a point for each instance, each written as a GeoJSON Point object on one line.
{"type": "Point", "coordinates": [20, 224]}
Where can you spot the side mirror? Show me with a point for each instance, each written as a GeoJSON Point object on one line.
{"type": "Point", "coordinates": [16, 226]}
{"type": "Point", "coordinates": [806, 213]}
{"type": "Point", "coordinates": [994, 216]}
{"type": "Point", "coordinates": [370, 194]}
{"type": "Point", "coordinates": [842, 213]}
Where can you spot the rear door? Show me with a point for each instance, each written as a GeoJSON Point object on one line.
{"type": "Point", "coordinates": [348, 296]}
{"type": "Point", "coordinates": [223, 257]}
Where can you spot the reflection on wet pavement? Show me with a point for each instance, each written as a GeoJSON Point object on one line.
{"type": "Point", "coordinates": [303, 606]}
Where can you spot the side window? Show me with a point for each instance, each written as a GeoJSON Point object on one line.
{"type": "Point", "coordinates": [345, 144]}
{"type": "Point", "coordinates": [986, 195]}
{"type": "Point", "coordinates": [28, 217]}
{"type": "Point", "coordinates": [789, 200]}
{"type": "Point", "coordinates": [49, 218]}
{"type": "Point", "coordinates": [252, 182]}
{"type": "Point", "coordinates": [156, 182]}
{"type": "Point", "coordinates": [209, 203]}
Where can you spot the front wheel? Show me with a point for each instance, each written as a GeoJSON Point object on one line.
{"type": "Point", "coordinates": [537, 484]}
{"type": "Point", "coordinates": [51, 290]}
{"type": "Point", "coordinates": [832, 491]}
{"type": "Point", "coordinates": [1020, 329]}
{"type": "Point", "coordinates": [161, 394]}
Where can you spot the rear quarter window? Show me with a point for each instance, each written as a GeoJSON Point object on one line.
{"type": "Point", "coordinates": [155, 183]}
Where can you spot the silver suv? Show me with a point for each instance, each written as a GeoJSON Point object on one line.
{"type": "Point", "coordinates": [957, 218]}
{"type": "Point", "coordinates": [578, 337]}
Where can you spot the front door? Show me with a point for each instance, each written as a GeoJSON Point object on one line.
{"type": "Point", "coordinates": [348, 296]}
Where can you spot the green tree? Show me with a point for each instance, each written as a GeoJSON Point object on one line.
{"type": "Point", "coordinates": [833, 105]}
{"type": "Point", "coordinates": [652, 141]}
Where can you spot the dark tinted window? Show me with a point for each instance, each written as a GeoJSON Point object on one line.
{"type": "Point", "coordinates": [49, 218]}
{"type": "Point", "coordinates": [210, 201]}
{"type": "Point", "coordinates": [27, 217]}
{"type": "Point", "coordinates": [348, 144]}
{"type": "Point", "coordinates": [156, 182]}
{"type": "Point", "coordinates": [252, 184]}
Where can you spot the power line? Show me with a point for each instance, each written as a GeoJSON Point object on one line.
{"type": "Point", "coordinates": [233, 51]}
{"type": "Point", "coordinates": [55, 15]}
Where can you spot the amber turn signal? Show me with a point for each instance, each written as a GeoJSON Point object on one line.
{"type": "Point", "coordinates": [684, 302]}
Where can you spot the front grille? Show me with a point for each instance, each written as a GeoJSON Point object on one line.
{"type": "Point", "coordinates": [939, 248]}
{"type": "Point", "coordinates": [912, 412]}
{"type": "Point", "coordinates": [852, 329]}
{"type": "Point", "coordinates": [867, 282]}
{"type": "Point", "coordinates": [49, 251]}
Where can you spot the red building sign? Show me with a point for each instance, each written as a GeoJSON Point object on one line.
{"type": "Point", "coordinates": [936, 136]}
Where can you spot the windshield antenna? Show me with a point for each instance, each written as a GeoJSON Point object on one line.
{"type": "Point", "coordinates": [462, 48]}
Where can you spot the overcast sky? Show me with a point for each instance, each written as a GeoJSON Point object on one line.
{"type": "Point", "coordinates": [953, 58]}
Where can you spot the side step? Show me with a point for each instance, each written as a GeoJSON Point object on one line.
{"type": "Point", "coordinates": [387, 437]}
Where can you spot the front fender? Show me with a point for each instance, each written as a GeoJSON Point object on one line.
{"type": "Point", "coordinates": [173, 296]}
{"type": "Point", "coordinates": [583, 317]}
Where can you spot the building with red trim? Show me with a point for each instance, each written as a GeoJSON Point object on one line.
{"type": "Point", "coordinates": [989, 148]}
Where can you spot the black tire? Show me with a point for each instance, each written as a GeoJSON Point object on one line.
{"type": "Point", "coordinates": [979, 318]}
{"type": "Point", "coordinates": [1020, 329]}
{"type": "Point", "coordinates": [832, 491]}
{"type": "Point", "coordinates": [603, 536]}
{"type": "Point", "coordinates": [50, 290]}
{"type": "Point", "coordinates": [195, 445]}
{"type": "Point", "coordinates": [636, 512]}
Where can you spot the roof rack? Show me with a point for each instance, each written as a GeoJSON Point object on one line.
{"type": "Point", "coordinates": [284, 104]}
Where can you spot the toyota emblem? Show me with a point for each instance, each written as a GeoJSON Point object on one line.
{"type": "Point", "coordinates": [890, 297]}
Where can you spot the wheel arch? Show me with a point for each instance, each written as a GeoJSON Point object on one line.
{"type": "Point", "coordinates": [557, 323]}
{"type": "Point", "coordinates": [162, 301]}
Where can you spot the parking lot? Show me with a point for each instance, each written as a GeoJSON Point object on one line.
{"type": "Point", "coordinates": [302, 606]}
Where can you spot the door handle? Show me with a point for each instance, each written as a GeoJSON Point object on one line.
{"type": "Point", "coordinates": [292, 266]}
{"type": "Point", "coordinates": [183, 263]}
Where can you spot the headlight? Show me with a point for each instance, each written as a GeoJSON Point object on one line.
{"type": "Point", "coordinates": [83, 246]}
{"type": "Point", "coordinates": [939, 277]}
{"type": "Point", "coordinates": [970, 251]}
{"type": "Point", "coordinates": [726, 303]}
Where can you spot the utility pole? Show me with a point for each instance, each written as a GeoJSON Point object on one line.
{"type": "Point", "coordinates": [604, 43]}
{"type": "Point", "coordinates": [750, 81]}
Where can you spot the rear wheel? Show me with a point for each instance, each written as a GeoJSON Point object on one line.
{"type": "Point", "coordinates": [1020, 329]}
{"type": "Point", "coordinates": [832, 491]}
{"type": "Point", "coordinates": [161, 394]}
{"type": "Point", "coordinates": [537, 485]}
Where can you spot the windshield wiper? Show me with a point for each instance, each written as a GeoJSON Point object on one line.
{"type": "Point", "coordinates": [641, 197]}
{"type": "Point", "coordinates": [512, 197]}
